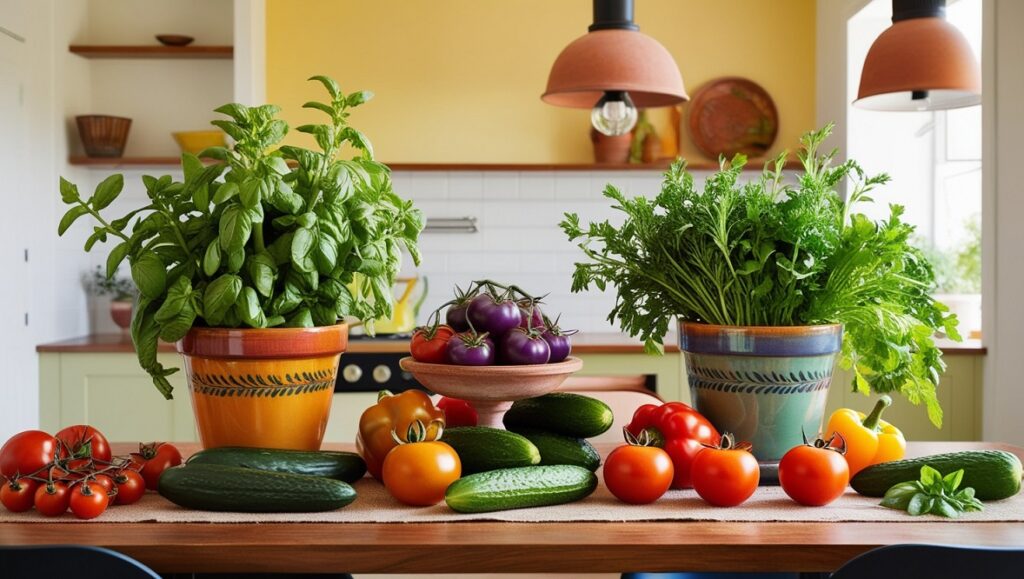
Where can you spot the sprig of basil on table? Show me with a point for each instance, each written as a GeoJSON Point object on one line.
{"type": "Point", "coordinates": [251, 240]}
{"type": "Point", "coordinates": [933, 494]}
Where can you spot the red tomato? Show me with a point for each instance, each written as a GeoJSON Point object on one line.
{"type": "Point", "coordinates": [105, 481]}
{"type": "Point", "coordinates": [27, 453]}
{"type": "Point", "coordinates": [153, 459]}
{"type": "Point", "coordinates": [638, 474]}
{"type": "Point", "coordinates": [680, 430]}
{"type": "Point", "coordinates": [430, 344]}
{"type": "Point", "coordinates": [19, 495]}
{"type": "Point", "coordinates": [89, 500]}
{"type": "Point", "coordinates": [457, 412]}
{"type": "Point", "coordinates": [83, 441]}
{"type": "Point", "coordinates": [813, 475]}
{"type": "Point", "coordinates": [725, 476]}
{"type": "Point", "coordinates": [130, 487]}
{"type": "Point", "coordinates": [52, 499]}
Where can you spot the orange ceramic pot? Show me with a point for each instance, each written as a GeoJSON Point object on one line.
{"type": "Point", "coordinates": [269, 388]}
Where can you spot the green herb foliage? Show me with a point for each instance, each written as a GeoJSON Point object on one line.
{"type": "Point", "coordinates": [771, 253]}
{"type": "Point", "coordinates": [934, 494]}
{"type": "Point", "coordinates": [253, 241]}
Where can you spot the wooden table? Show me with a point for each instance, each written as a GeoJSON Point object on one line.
{"type": "Point", "coordinates": [481, 547]}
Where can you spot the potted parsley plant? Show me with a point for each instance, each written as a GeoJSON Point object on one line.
{"type": "Point", "coordinates": [771, 282]}
{"type": "Point", "coordinates": [252, 262]}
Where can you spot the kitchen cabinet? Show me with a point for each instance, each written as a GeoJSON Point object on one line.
{"type": "Point", "coordinates": [111, 391]}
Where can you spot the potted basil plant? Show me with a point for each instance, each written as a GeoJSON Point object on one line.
{"type": "Point", "coordinates": [771, 282]}
{"type": "Point", "coordinates": [251, 263]}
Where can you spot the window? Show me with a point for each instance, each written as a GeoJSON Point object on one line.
{"type": "Point", "coordinates": [934, 159]}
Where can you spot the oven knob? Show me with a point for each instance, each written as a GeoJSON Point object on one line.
{"type": "Point", "coordinates": [352, 373]}
{"type": "Point", "coordinates": [381, 374]}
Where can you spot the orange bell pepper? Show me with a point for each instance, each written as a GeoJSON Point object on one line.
{"type": "Point", "coordinates": [394, 413]}
{"type": "Point", "coordinates": [869, 439]}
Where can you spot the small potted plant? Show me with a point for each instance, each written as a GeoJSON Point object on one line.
{"type": "Point", "coordinates": [772, 282]}
{"type": "Point", "coordinates": [251, 262]}
{"type": "Point", "coordinates": [121, 292]}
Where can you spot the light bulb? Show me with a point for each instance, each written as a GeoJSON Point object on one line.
{"type": "Point", "coordinates": [614, 114]}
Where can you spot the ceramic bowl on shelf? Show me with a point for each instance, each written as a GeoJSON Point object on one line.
{"type": "Point", "coordinates": [174, 39]}
{"type": "Point", "coordinates": [195, 141]}
{"type": "Point", "coordinates": [491, 389]}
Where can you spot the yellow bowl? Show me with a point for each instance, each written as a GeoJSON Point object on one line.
{"type": "Point", "coordinates": [195, 141]}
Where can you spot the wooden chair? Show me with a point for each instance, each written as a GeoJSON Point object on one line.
{"type": "Point", "coordinates": [934, 562]}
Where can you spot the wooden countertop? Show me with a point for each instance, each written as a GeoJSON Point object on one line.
{"type": "Point", "coordinates": [499, 547]}
{"type": "Point", "coordinates": [582, 343]}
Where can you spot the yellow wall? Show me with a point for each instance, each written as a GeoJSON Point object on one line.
{"type": "Point", "coordinates": [460, 80]}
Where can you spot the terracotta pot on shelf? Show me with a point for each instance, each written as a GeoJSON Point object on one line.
{"type": "Point", "coordinates": [610, 150]}
{"type": "Point", "coordinates": [121, 313]}
{"type": "Point", "coordinates": [268, 388]}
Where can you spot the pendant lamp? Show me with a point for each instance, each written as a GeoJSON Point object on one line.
{"type": "Point", "coordinates": [920, 63]}
{"type": "Point", "coordinates": [613, 70]}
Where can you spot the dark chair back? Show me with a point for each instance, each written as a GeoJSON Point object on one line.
{"type": "Point", "coordinates": [69, 561]}
{"type": "Point", "coordinates": [934, 562]}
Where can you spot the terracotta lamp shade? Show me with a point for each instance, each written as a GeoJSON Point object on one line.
{"type": "Point", "coordinates": [919, 64]}
{"type": "Point", "coordinates": [614, 60]}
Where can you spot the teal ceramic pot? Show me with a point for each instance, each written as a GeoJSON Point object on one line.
{"type": "Point", "coordinates": [764, 384]}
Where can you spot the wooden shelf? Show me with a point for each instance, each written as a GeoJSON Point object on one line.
{"type": "Point", "coordinates": [753, 165]}
{"type": "Point", "coordinates": [152, 51]}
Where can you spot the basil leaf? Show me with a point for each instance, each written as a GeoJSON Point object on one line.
{"type": "Point", "coordinates": [326, 254]}
{"type": "Point", "coordinates": [150, 275]}
{"type": "Point", "coordinates": [107, 191]}
{"type": "Point", "coordinates": [177, 296]}
{"type": "Point", "coordinates": [211, 259]}
{"type": "Point", "coordinates": [220, 296]}
{"type": "Point", "coordinates": [302, 250]}
{"type": "Point", "coordinates": [69, 218]}
{"type": "Point", "coordinates": [952, 480]}
{"type": "Point", "coordinates": [225, 191]}
{"type": "Point", "coordinates": [236, 258]}
{"type": "Point", "coordinates": [261, 271]}
{"type": "Point", "coordinates": [68, 191]}
{"type": "Point", "coordinates": [943, 507]}
{"type": "Point", "coordinates": [175, 329]}
{"type": "Point", "coordinates": [919, 504]}
{"type": "Point", "coordinates": [235, 228]}
{"type": "Point", "coordinates": [248, 307]}
{"type": "Point", "coordinates": [249, 193]}
{"type": "Point", "coordinates": [116, 256]}
{"type": "Point", "coordinates": [300, 319]}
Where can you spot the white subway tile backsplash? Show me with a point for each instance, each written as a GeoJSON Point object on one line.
{"type": "Point", "coordinates": [537, 185]}
{"type": "Point", "coordinates": [574, 185]}
{"type": "Point", "coordinates": [468, 185]}
{"type": "Point", "coordinates": [501, 185]}
{"type": "Point", "coordinates": [427, 185]}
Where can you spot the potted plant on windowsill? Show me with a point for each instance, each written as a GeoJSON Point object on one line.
{"type": "Point", "coordinates": [771, 283]}
{"type": "Point", "coordinates": [121, 292]}
{"type": "Point", "coordinates": [248, 266]}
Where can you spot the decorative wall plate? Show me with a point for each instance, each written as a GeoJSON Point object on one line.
{"type": "Point", "coordinates": [732, 115]}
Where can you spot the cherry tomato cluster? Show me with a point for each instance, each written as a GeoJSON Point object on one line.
{"type": "Point", "coordinates": [75, 470]}
{"type": "Point", "coordinates": [672, 445]}
{"type": "Point", "coordinates": [491, 323]}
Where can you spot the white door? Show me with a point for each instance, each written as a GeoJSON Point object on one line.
{"type": "Point", "coordinates": [18, 392]}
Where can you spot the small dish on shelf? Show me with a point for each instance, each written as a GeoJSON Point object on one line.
{"type": "Point", "coordinates": [174, 39]}
{"type": "Point", "coordinates": [491, 389]}
{"type": "Point", "coordinates": [196, 141]}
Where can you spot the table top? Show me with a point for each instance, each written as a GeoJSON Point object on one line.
{"type": "Point", "coordinates": [480, 547]}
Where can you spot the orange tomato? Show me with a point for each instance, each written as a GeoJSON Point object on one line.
{"type": "Point", "coordinates": [418, 473]}
{"type": "Point", "coordinates": [638, 474]}
{"type": "Point", "coordinates": [725, 476]}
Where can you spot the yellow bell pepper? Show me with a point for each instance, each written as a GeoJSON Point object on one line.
{"type": "Point", "coordinates": [869, 439]}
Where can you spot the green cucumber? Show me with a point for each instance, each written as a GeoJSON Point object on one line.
{"type": "Point", "coordinates": [346, 466]}
{"type": "Point", "coordinates": [562, 413]}
{"type": "Point", "coordinates": [215, 487]}
{"type": "Point", "coordinates": [520, 488]}
{"type": "Point", "coordinates": [993, 474]}
{"type": "Point", "coordinates": [559, 449]}
{"type": "Point", "coordinates": [481, 449]}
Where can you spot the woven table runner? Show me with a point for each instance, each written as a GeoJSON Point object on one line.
{"type": "Point", "coordinates": [374, 505]}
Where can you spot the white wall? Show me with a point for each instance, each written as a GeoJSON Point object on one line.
{"type": "Point", "coordinates": [1003, 236]}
